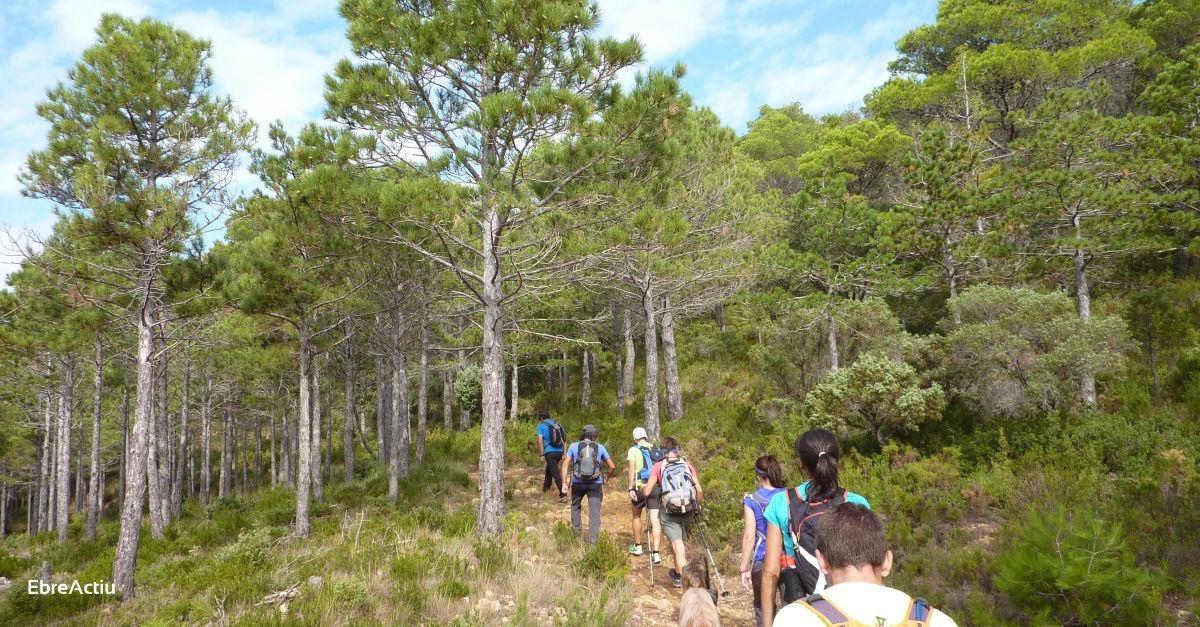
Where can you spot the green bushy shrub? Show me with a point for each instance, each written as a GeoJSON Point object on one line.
{"type": "Point", "coordinates": [605, 561]}
{"type": "Point", "coordinates": [1076, 568]}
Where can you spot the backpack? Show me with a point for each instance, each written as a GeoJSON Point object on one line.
{"type": "Point", "coordinates": [650, 456]}
{"type": "Point", "coordinates": [802, 525]}
{"type": "Point", "coordinates": [758, 505]}
{"type": "Point", "coordinates": [678, 487]}
{"type": "Point", "coordinates": [587, 461]}
{"type": "Point", "coordinates": [918, 615]}
{"type": "Point", "coordinates": [557, 435]}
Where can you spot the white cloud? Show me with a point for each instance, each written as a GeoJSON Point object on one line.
{"type": "Point", "coordinates": [731, 101]}
{"type": "Point", "coordinates": [75, 21]}
{"type": "Point", "coordinates": [665, 27]}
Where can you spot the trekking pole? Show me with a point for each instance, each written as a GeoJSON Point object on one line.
{"type": "Point", "coordinates": [649, 545]}
{"type": "Point", "coordinates": [720, 582]}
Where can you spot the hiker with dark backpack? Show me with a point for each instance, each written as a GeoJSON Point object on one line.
{"type": "Point", "coordinates": [551, 440]}
{"type": "Point", "coordinates": [852, 552]}
{"type": "Point", "coordinates": [680, 498]}
{"type": "Point", "coordinates": [790, 562]}
{"type": "Point", "coordinates": [583, 469]}
{"type": "Point", "coordinates": [640, 459]}
{"type": "Point", "coordinates": [754, 535]}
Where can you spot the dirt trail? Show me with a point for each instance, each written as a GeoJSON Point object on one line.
{"type": "Point", "coordinates": [652, 605]}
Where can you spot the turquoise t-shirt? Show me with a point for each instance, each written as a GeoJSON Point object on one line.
{"type": "Point", "coordinates": [777, 514]}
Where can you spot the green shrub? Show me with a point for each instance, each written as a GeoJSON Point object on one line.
{"type": "Point", "coordinates": [452, 588]}
{"type": "Point", "coordinates": [605, 561]}
{"type": "Point", "coordinates": [461, 523]}
{"type": "Point", "coordinates": [1077, 568]}
{"type": "Point", "coordinates": [11, 565]}
{"type": "Point", "coordinates": [492, 558]}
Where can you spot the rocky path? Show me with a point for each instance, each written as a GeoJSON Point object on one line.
{"type": "Point", "coordinates": [652, 604]}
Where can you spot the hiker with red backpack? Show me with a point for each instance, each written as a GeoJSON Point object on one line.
{"type": "Point", "coordinates": [789, 563]}
{"type": "Point", "coordinates": [853, 554]}
{"type": "Point", "coordinates": [754, 535]}
{"type": "Point", "coordinates": [681, 496]}
{"type": "Point", "coordinates": [582, 469]}
{"type": "Point", "coordinates": [640, 459]}
{"type": "Point", "coordinates": [551, 439]}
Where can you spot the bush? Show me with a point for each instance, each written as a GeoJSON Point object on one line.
{"type": "Point", "coordinates": [1076, 568]}
{"type": "Point", "coordinates": [605, 561]}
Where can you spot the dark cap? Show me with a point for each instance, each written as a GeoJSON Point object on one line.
{"type": "Point", "coordinates": [590, 431]}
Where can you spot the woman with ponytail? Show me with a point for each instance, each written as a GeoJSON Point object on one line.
{"type": "Point", "coordinates": [754, 535]}
{"type": "Point", "coordinates": [791, 520]}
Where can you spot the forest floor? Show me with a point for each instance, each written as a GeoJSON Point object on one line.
{"type": "Point", "coordinates": [651, 604]}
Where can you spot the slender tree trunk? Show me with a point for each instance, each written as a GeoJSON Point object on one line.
{"type": "Point", "coordinates": [125, 558]}
{"type": "Point", "coordinates": [832, 336]}
{"type": "Point", "coordinates": [629, 362]}
{"type": "Point", "coordinates": [258, 450]}
{"type": "Point", "coordinates": [423, 380]}
{"type": "Point", "coordinates": [562, 373]}
{"type": "Point", "coordinates": [304, 438]}
{"type": "Point", "coordinates": [274, 437]}
{"type": "Point", "coordinates": [328, 434]}
{"type": "Point", "coordinates": [399, 463]}
{"type": "Point", "coordinates": [206, 441]}
{"type": "Point", "coordinates": [162, 436]}
{"type": "Point", "coordinates": [285, 450]}
{"type": "Point", "coordinates": [585, 395]}
{"type": "Point", "coordinates": [348, 427]}
{"type": "Point", "coordinates": [718, 316]}
{"type": "Point", "coordinates": [1155, 388]}
{"type": "Point", "coordinates": [3, 500]}
{"type": "Point", "coordinates": [80, 485]}
{"type": "Point", "coordinates": [154, 488]}
{"type": "Point", "coordinates": [650, 398]}
{"type": "Point", "coordinates": [383, 378]}
{"type": "Point", "coordinates": [516, 392]}
{"type": "Point", "coordinates": [225, 473]}
{"type": "Point", "coordinates": [95, 497]}
{"type": "Point", "coordinates": [318, 489]}
{"type": "Point", "coordinates": [124, 441]}
{"type": "Point", "coordinates": [491, 451]}
{"type": "Point", "coordinates": [464, 413]}
{"type": "Point", "coordinates": [1087, 383]}
{"type": "Point", "coordinates": [674, 387]}
{"type": "Point", "coordinates": [447, 399]}
{"type": "Point", "coordinates": [182, 459]}
{"type": "Point", "coordinates": [65, 407]}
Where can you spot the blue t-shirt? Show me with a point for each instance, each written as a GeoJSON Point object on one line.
{"type": "Point", "coordinates": [777, 514]}
{"type": "Point", "coordinates": [764, 495]}
{"type": "Point", "coordinates": [543, 429]}
{"type": "Point", "coordinates": [573, 454]}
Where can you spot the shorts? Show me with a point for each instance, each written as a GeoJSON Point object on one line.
{"type": "Point", "coordinates": [673, 524]}
{"type": "Point", "coordinates": [652, 502]}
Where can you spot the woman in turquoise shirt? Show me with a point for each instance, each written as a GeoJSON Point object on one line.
{"type": "Point", "coordinates": [820, 459]}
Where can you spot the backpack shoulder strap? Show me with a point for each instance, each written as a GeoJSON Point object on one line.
{"type": "Point", "coordinates": [825, 610]}
{"type": "Point", "coordinates": [919, 612]}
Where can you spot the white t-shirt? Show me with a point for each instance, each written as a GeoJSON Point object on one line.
{"type": "Point", "coordinates": [866, 603]}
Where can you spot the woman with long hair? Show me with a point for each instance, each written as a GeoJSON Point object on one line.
{"type": "Point", "coordinates": [754, 535]}
{"type": "Point", "coordinates": [789, 562]}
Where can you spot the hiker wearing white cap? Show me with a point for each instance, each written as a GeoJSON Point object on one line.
{"type": "Point", "coordinates": [641, 458]}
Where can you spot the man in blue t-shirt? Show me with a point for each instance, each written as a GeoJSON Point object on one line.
{"type": "Point", "coordinates": [582, 468]}
{"type": "Point", "coordinates": [551, 454]}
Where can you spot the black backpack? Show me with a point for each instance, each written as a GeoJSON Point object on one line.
{"type": "Point", "coordinates": [587, 461]}
{"type": "Point", "coordinates": [557, 435]}
{"type": "Point", "coordinates": [805, 577]}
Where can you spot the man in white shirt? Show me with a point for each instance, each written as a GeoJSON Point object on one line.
{"type": "Point", "coordinates": [852, 552]}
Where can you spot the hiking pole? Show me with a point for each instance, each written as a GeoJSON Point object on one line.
{"type": "Point", "coordinates": [720, 582]}
{"type": "Point", "coordinates": [649, 545]}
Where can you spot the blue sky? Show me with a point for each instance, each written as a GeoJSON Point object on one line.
{"type": "Point", "coordinates": [271, 56]}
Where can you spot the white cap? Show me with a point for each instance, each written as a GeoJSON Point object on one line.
{"type": "Point", "coordinates": [639, 434]}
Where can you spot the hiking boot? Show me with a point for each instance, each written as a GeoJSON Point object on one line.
{"type": "Point", "coordinates": [676, 580]}
{"type": "Point", "coordinates": [562, 497]}
{"type": "Point", "coordinates": [655, 557]}
{"type": "Point", "coordinates": [635, 549]}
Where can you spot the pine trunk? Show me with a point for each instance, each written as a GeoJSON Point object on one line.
{"type": "Point", "coordinates": [125, 558]}
{"type": "Point", "coordinates": [423, 380]}
{"type": "Point", "coordinates": [383, 377]}
{"type": "Point", "coordinates": [401, 435]}
{"type": "Point", "coordinates": [258, 451]}
{"type": "Point", "coordinates": [516, 393]}
{"type": "Point", "coordinates": [491, 451]}
{"type": "Point", "coordinates": [832, 337]}
{"type": "Point", "coordinates": [95, 496]}
{"type": "Point", "coordinates": [1087, 383]}
{"type": "Point", "coordinates": [162, 436]}
{"type": "Point", "coordinates": [629, 362]}
{"type": "Point", "coordinates": [124, 441]}
{"type": "Point", "coordinates": [206, 442]}
{"type": "Point", "coordinates": [318, 488]}
{"type": "Point", "coordinates": [585, 394]}
{"type": "Point", "coordinates": [349, 413]}
{"type": "Point", "coordinates": [182, 459]}
{"type": "Point", "coordinates": [65, 406]}
{"type": "Point", "coordinates": [274, 439]}
{"type": "Point", "coordinates": [650, 397]}
{"type": "Point", "coordinates": [304, 438]}
{"type": "Point", "coordinates": [674, 387]}
{"type": "Point", "coordinates": [447, 399]}
{"type": "Point", "coordinates": [225, 472]}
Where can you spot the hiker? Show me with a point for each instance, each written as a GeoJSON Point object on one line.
{"type": "Point", "coordinates": [583, 462]}
{"type": "Point", "coordinates": [551, 438]}
{"type": "Point", "coordinates": [791, 520]}
{"type": "Point", "coordinates": [641, 458]}
{"type": "Point", "coordinates": [680, 498]}
{"type": "Point", "coordinates": [754, 535]}
{"type": "Point", "coordinates": [853, 554]}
